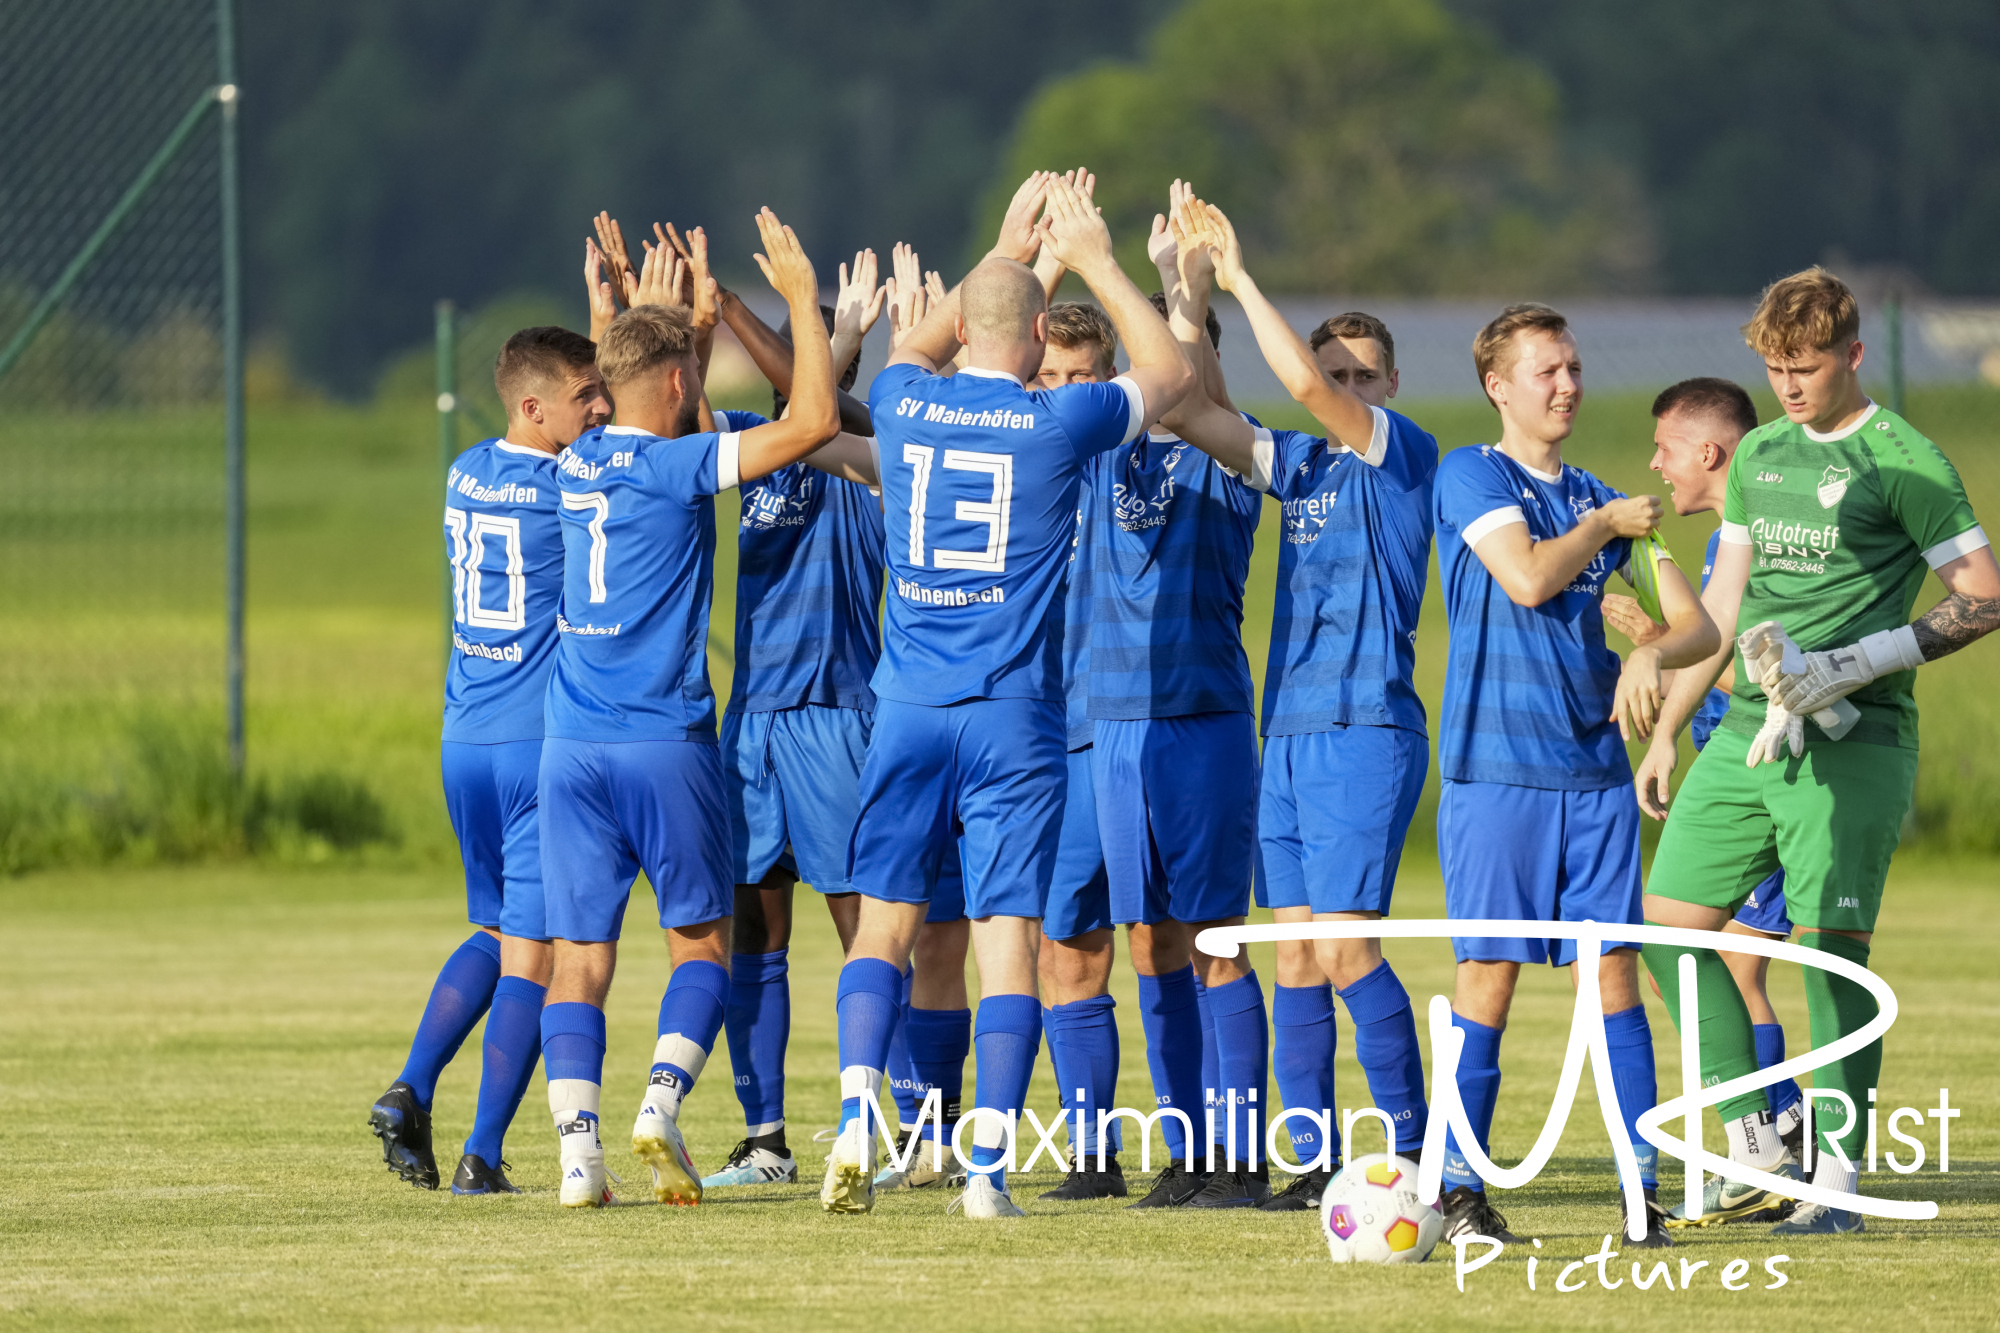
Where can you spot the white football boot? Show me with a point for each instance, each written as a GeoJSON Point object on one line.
{"type": "Point", "coordinates": [656, 1141]}
{"type": "Point", "coordinates": [582, 1158]}
{"type": "Point", "coordinates": [984, 1200]}
{"type": "Point", "coordinates": [850, 1170]}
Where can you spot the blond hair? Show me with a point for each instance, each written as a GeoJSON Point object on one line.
{"type": "Point", "coordinates": [1493, 350]}
{"type": "Point", "coordinates": [1075, 324]}
{"type": "Point", "coordinates": [1807, 312]}
{"type": "Point", "coordinates": [644, 337]}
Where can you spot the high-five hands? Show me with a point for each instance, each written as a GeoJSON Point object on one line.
{"type": "Point", "coordinates": [858, 302]}
{"type": "Point", "coordinates": [1074, 230]}
{"type": "Point", "coordinates": [1020, 237]}
{"type": "Point", "coordinates": [908, 301]}
{"type": "Point", "coordinates": [785, 266]}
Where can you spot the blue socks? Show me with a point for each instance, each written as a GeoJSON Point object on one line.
{"type": "Point", "coordinates": [1211, 1068]}
{"type": "Point", "coordinates": [939, 1041]}
{"type": "Point", "coordinates": [1169, 1013]}
{"type": "Point", "coordinates": [690, 1015]}
{"type": "Point", "coordinates": [1243, 1055]}
{"type": "Point", "coordinates": [1771, 1051]}
{"type": "Point", "coordinates": [1479, 1090]}
{"type": "Point", "coordinates": [1083, 1046]}
{"type": "Point", "coordinates": [1005, 1039]}
{"type": "Point", "coordinates": [1630, 1040]}
{"type": "Point", "coordinates": [513, 1044]}
{"type": "Point", "coordinates": [1303, 1016]}
{"type": "Point", "coordinates": [900, 1074]}
{"type": "Point", "coordinates": [458, 1000]}
{"type": "Point", "coordinates": [867, 1003]}
{"type": "Point", "coordinates": [1385, 1042]}
{"type": "Point", "coordinates": [758, 1024]}
{"type": "Point", "coordinates": [573, 1042]}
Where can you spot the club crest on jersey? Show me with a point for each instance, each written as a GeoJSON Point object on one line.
{"type": "Point", "coordinates": [1833, 485]}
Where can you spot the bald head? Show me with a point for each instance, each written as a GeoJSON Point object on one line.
{"type": "Point", "coordinates": [999, 302]}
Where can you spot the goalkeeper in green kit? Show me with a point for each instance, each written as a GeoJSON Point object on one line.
{"type": "Point", "coordinates": [1833, 515]}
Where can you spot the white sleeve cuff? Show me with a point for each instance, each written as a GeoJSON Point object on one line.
{"type": "Point", "coordinates": [1736, 534]}
{"type": "Point", "coordinates": [1965, 543]}
{"type": "Point", "coordinates": [1378, 440]}
{"type": "Point", "coordinates": [1263, 458]}
{"type": "Point", "coordinates": [1135, 408]}
{"type": "Point", "coordinates": [1491, 522]}
{"type": "Point", "coordinates": [728, 461]}
{"type": "Point", "coordinates": [875, 458]}
{"type": "Point", "coordinates": [1892, 650]}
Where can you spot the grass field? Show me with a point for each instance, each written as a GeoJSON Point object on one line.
{"type": "Point", "coordinates": [189, 1055]}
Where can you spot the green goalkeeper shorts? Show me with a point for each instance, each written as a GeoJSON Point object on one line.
{"type": "Point", "coordinates": [1831, 819]}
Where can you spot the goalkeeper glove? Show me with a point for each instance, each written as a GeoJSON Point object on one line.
{"type": "Point", "coordinates": [1782, 730]}
{"type": "Point", "coordinates": [1825, 677]}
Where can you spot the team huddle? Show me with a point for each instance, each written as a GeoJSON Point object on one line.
{"type": "Point", "coordinates": [990, 695]}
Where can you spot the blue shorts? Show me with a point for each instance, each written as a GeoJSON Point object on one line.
{"type": "Point", "coordinates": [993, 768]}
{"type": "Point", "coordinates": [1177, 809]}
{"type": "Point", "coordinates": [1332, 814]}
{"type": "Point", "coordinates": [489, 792]}
{"type": "Point", "coordinates": [1529, 854]}
{"type": "Point", "coordinates": [612, 810]}
{"type": "Point", "coordinates": [1080, 895]}
{"type": "Point", "coordinates": [1764, 909]}
{"type": "Point", "coordinates": [794, 784]}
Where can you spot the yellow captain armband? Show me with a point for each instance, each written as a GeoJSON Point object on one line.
{"type": "Point", "coordinates": [1647, 554]}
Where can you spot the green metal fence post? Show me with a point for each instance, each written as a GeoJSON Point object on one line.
{"type": "Point", "coordinates": [1892, 319]}
{"type": "Point", "coordinates": [228, 95]}
{"type": "Point", "coordinates": [447, 406]}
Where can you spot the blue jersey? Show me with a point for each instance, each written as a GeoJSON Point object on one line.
{"type": "Point", "coordinates": [808, 588]}
{"type": "Point", "coordinates": [1527, 690]}
{"type": "Point", "coordinates": [501, 504]}
{"type": "Point", "coordinates": [1076, 632]}
{"type": "Point", "coordinates": [1351, 574]}
{"type": "Point", "coordinates": [1709, 715]}
{"type": "Point", "coordinates": [1169, 533]}
{"type": "Point", "coordinates": [979, 484]}
{"type": "Point", "coordinates": [638, 523]}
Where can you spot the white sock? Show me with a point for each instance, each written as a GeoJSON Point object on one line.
{"type": "Point", "coordinates": [665, 1089]}
{"type": "Point", "coordinates": [1828, 1173]}
{"type": "Point", "coordinates": [1754, 1141]}
{"type": "Point", "coordinates": [1790, 1118]}
{"type": "Point", "coordinates": [572, 1099]}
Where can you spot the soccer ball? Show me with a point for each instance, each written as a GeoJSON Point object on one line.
{"type": "Point", "coordinates": [1372, 1215]}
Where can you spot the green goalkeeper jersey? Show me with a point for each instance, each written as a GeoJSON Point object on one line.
{"type": "Point", "coordinates": [1841, 529]}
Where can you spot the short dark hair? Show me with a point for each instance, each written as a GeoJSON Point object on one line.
{"type": "Point", "coordinates": [534, 358]}
{"type": "Point", "coordinates": [1356, 324]}
{"type": "Point", "coordinates": [1075, 324]}
{"type": "Point", "coordinates": [1212, 324]}
{"type": "Point", "coordinates": [1707, 396]}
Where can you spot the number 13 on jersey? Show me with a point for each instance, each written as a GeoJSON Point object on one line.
{"type": "Point", "coordinates": [992, 512]}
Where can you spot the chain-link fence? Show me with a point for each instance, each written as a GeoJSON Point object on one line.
{"type": "Point", "coordinates": [115, 356]}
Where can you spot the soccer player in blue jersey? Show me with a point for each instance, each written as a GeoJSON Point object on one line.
{"type": "Point", "coordinates": [1699, 423]}
{"type": "Point", "coordinates": [1536, 821]}
{"type": "Point", "coordinates": [1345, 749]}
{"type": "Point", "coordinates": [631, 776]}
{"type": "Point", "coordinates": [979, 478]}
{"type": "Point", "coordinates": [505, 545]}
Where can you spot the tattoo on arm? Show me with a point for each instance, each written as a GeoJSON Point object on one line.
{"type": "Point", "coordinates": [1955, 622]}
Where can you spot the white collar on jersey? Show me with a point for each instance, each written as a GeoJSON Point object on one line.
{"type": "Point", "coordinates": [1859, 422]}
{"type": "Point", "coordinates": [624, 430]}
{"type": "Point", "coordinates": [514, 448]}
{"type": "Point", "coordinates": [981, 372]}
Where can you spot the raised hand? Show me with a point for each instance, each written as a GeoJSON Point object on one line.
{"type": "Point", "coordinates": [1074, 230]}
{"type": "Point", "coordinates": [1205, 225]}
{"type": "Point", "coordinates": [660, 279]}
{"type": "Point", "coordinates": [934, 286]}
{"type": "Point", "coordinates": [705, 290]}
{"type": "Point", "coordinates": [907, 307]}
{"type": "Point", "coordinates": [603, 304]}
{"type": "Point", "coordinates": [611, 240]}
{"type": "Point", "coordinates": [858, 302]}
{"type": "Point", "coordinates": [785, 266]}
{"type": "Point", "coordinates": [1020, 237]}
{"type": "Point", "coordinates": [1164, 250]}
